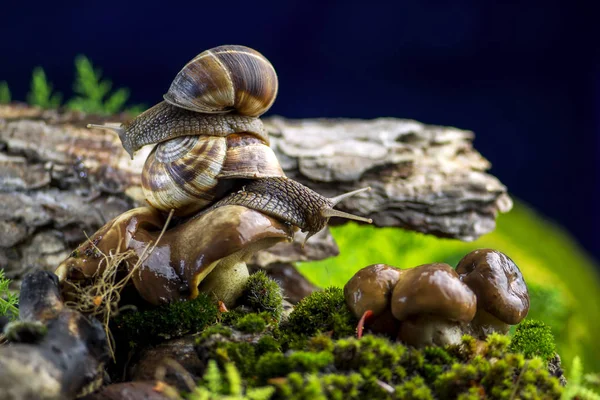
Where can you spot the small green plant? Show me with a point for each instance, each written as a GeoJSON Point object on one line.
{"type": "Point", "coordinates": [4, 93]}
{"type": "Point", "coordinates": [578, 384]}
{"type": "Point", "coordinates": [93, 94]}
{"type": "Point", "coordinates": [40, 93]}
{"type": "Point", "coordinates": [8, 300]}
{"type": "Point", "coordinates": [227, 385]}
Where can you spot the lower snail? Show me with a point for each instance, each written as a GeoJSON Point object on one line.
{"type": "Point", "coordinates": [213, 149]}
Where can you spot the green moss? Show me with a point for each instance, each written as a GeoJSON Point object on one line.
{"type": "Point", "coordinates": [372, 356]}
{"type": "Point", "coordinates": [251, 323]}
{"type": "Point", "coordinates": [242, 354]}
{"type": "Point", "coordinates": [533, 338]}
{"type": "Point", "coordinates": [267, 344]}
{"type": "Point", "coordinates": [167, 321]}
{"type": "Point", "coordinates": [376, 368]}
{"type": "Point", "coordinates": [322, 311]}
{"type": "Point", "coordinates": [263, 294]}
{"type": "Point", "coordinates": [413, 389]}
{"type": "Point", "coordinates": [328, 386]}
{"type": "Point", "coordinates": [276, 364]}
{"type": "Point", "coordinates": [497, 344]}
{"type": "Point", "coordinates": [215, 330]}
{"type": "Point", "coordinates": [320, 343]}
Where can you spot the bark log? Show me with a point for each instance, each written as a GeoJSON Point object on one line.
{"type": "Point", "coordinates": [59, 180]}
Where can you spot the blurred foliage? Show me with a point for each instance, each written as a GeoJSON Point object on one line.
{"type": "Point", "coordinates": [40, 92]}
{"type": "Point", "coordinates": [93, 94]}
{"type": "Point", "coordinates": [8, 299]}
{"type": "Point", "coordinates": [4, 93]}
{"type": "Point", "coordinates": [227, 385]}
{"type": "Point", "coordinates": [563, 281]}
{"type": "Point", "coordinates": [580, 386]}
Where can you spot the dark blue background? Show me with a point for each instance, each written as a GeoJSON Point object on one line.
{"type": "Point", "coordinates": [524, 77]}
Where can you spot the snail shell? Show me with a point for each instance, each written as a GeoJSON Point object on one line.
{"type": "Point", "coordinates": [188, 173]}
{"type": "Point", "coordinates": [224, 79]}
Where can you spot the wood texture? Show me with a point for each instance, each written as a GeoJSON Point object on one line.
{"type": "Point", "coordinates": [59, 180]}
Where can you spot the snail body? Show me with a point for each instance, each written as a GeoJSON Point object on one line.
{"type": "Point", "coordinates": [210, 142]}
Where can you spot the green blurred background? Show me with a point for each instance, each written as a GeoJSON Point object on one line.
{"type": "Point", "coordinates": [563, 281]}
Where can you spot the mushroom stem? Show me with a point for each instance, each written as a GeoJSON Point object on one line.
{"type": "Point", "coordinates": [485, 323]}
{"type": "Point", "coordinates": [226, 282]}
{"type": "Point", "coordinates": [429, 330]}
{"type": "Point", "coordinates": [361, 323]}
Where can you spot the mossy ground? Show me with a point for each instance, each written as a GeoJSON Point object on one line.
{"type": "Point", "coordinates": [313, 354]}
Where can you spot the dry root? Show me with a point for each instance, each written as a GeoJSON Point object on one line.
{"type": "Point", "coordinates": [101, 299]}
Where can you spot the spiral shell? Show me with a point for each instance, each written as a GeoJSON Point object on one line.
{"type": "Point", "coordinates": [223, 79]}
{"type": "Point", "coordinates": [188, 173]}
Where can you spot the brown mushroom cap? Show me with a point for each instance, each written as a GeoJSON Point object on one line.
{"type": "Point", "coordinates": [433, 289]}
{"type": "Point", "coordinates": [497, 283]}
{"type": "Point", "coordinates": [185, 254]}
{"type": "Point", "coordinates": [370, 289]}
{"type": "Point", "coordinates": [87, 258]}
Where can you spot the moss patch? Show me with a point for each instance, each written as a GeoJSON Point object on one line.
{"type": "Point", "coordinates": [170, 320]}
{"type": "Point", "coordinates": [321, 312]}
{"type": "Point", "coordinates": [533, 338]}
{"type": "Point", "coordinates": [376, 368]}
{"type": "Point", "coordinates": [263, 294]}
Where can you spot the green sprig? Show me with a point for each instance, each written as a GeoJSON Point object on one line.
{"type": "Point", "coordinates": [8, 300]}
{"type": "Point", "coordinates": [40, 93]}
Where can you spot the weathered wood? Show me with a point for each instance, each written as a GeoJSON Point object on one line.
{"type": "Point", "coordinates": [62, 362]}
{"type": "Point", "coordinates": [59, 180]}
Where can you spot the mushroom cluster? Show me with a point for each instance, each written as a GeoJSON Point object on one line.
{"type": "Point", "coordinates": [434, 304]}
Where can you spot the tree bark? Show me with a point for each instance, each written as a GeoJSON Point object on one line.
{"type": "Point", "coordinates": [59, 180]}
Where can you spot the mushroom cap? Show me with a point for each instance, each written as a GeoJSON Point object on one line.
{"type": "Point", "coordinates": [433, 289]}
{"type": "Point", "coordinates": [227, 234]}
{"type": "Point", "coordinates": [497, 283]}
{"type": "Point", "coordinates": [370, 289]}
{"type": "Point", "coordinates": [184, 255]}
{"type": "Point", "coordinates": [87, 259]}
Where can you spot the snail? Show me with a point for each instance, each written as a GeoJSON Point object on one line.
{"type": "Point", "coordinates": [212, 149]}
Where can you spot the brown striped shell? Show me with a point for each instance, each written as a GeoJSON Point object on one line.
{"type": "Point", "coordinates": [188, 173]}
{"type": "Point", "coordinates": [223, 79]}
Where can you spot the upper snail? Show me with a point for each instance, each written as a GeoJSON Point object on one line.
{"type": "Point", "coordinates": [224, 79]}
{"type": "Point", "coordinates": [212, 148]}
{"type": "Point", "coordinates": [233, 80]}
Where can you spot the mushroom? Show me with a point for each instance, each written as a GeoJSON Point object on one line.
{"type": "Point", "coordinates": [206, 253]}
{"type": "Point", "coordinates": [502, 296]}
{"type": "Point", "coordinates": [432, 304]}
{"type": "Point", "coordinates": [367, 295]}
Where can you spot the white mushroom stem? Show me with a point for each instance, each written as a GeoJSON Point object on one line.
{"type": "Point", "coordinates": [485, 323]}
{"type": "Point", "coordinates": [227, 281]}
{"type": "Point", "coordinates": [429, 330]}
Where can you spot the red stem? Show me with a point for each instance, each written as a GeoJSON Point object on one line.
{"type": "Point", "coordinates": [361, 323]}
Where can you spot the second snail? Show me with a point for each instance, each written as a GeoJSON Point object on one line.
{"type": "Point", "coordinates": [211, 151]}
